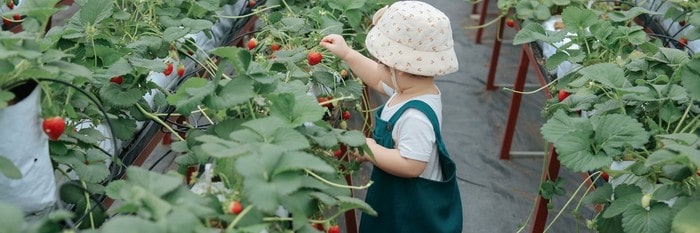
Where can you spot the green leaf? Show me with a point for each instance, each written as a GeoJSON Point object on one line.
{"type": "Point", "coordinates": [116, 95]}
{"type": "Point", "coordinates": [295, 109]}
{"type": "Point", "coordinates": [266, 127]}
{"type": "Point", "coordinates": [234, 92]}
{"type": "Point", "coordinates": [123, 128]}
{"type": "Point", "coordinates": [324, 137]}
{"type": "Point", "coordinates": [626, 132]}
{"type": "Point", "coordinates": [158, 184]}
{"type": "Point", "coordinates": [689, 73]}
{"type": "Point", "coordinates": [574, 152]}
{"type": "Point", "coordinates": [154, 65]}
{"type": "Point", "coordinates": [624, 195]}
{"type": "Point", "coordinates": [351, 138]}
{"type": "Point", "coordinates": [292, 24]}
{"type": "Point", "coordinates": [620, 16]}
{"type": "Point", "coordinates": [190, 94]}
{"type": "Point", "coordinates": [264, 189]}
{"type": "Point", "coordinates": [93, 172]}
{"type": "Point", "coordinates": [639, 220]}
{"type": "Point", "coordinates": [686, 220]}
{"type": "Point", "coordinates": [556, 59]}
{"type": "Point", "coordinates": [239, 58]}
{"type": "Point", "coordinates": [5, 97]}
{"type": "Point", "coordinates": [11, 218]}
{"type": "Point", "coordinates": [529, 33]}
{"type": "Point", "coordinates": [220, 148]}
{"type": "Point", "coordinates": [196, 25]}
{"type": "Point", "coordinates": [601, 195]}
{"type": "Point", "coordinates": [8, 168]}
{"type": "Point", "coordinates": [354, 17]}
{"type": "Point", "coordinates": [577, 19]}
{"type": "Point", "coordinates": [297, 160]}
{"type": "Point", "coordinates": [122, 223]}
{"type": "Point", "coordinates": [174, 33]}
{"type": "Point", "coordinates": [93, 12]}
{"type": "Point", "coordinates": [608, 74]}
{"type": "Point", "coordinates": [668, 192]}
{"type": "Point", "coordinates": [181, 220]}
{"type": "Point", "coordinates": [114, 189]}
{"type": "Point", "coordinates": [609, 225]}
{"type": "Point", "coordinates": [660, 156]}
{"type": "Point", "coordinates": [347, 203]}
{"type": "Point", "coordinates": [561, 124]}
{"type": "Point", "coordinates": [88, 135]}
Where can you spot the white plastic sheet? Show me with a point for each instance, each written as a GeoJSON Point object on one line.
{"type": "Point", "coordinates": [24, 143]}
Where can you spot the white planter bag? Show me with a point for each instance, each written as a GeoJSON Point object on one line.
{"type": "Point", "coordinates": [23, 142]}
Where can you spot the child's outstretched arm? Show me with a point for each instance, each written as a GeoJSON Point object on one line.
{"type": "Point", "coordinates": [391, 161]}
{"type": "Point", "coordinates": [365, 68]}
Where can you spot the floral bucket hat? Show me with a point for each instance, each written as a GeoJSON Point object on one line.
{"type": "Point", "coordinates": [413, 37]}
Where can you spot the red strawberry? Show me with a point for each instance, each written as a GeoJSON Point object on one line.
{"type": "Point", "coordinates": [681, 23]}
{"type": "Point", "coordinates": [510, 22]}
{"type": "Point", "coordinates": [275, 47]}
{"type": "Point", "coordinates": [318, 226]}
{"type": "Point", "coordinates": [682, 42]}
{"type": "Point", "coordinates": [168, 70]}
{"type": "Point", "coordinates": [346, 115]}
{"type": "Point", "coordinates": [235, 207]}
{"type": "Point", "coordinates": [334, 229]}
{"type": "Point", "coordinates": [563, 94]}
{"type": "Point", "coordinates": [53, 127]}
{"type": "Point", "coordinates": [338, 153]}
{"type": "Point", "coordinates": [6, 22]}
{"type": "Point", "coordinates": [315, 58]}
{"type": "Point", "coordinates": [181, 70]}
{"type": "Point", "coordinates": [11, 5]}
{"type": "Point", "coordinates": [252, 43]}
{"type": "Point", "coordinates": [117, 79]}
{"type": "Point", "coordinates": [605, 176]}
{"type": "Point", "coordinates": [17, 17]}
{"type": "Point", "coordinates": [325, 99]}
{"type": "Point", "coordinates": [251, 3]}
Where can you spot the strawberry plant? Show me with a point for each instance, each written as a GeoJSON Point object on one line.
{"type": "Point", "coordinates": [629, 101]}
{"type": "Point", "coordinates": [270, 141]}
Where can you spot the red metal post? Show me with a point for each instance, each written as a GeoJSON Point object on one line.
{"type": "Point", "coordinates": [495, 54]}
{"type": "Point", "coordinates": [540, 219]}
{"type": "Point", "coordinates": [482, 20]}
{"type": "Point", "coordinates": [514, 107]}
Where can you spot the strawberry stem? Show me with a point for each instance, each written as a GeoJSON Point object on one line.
{"type": "Point", "coordinates": [159, 121]}
{"type": "Point", "coordinates": [335, 184]}
{"type": "Point", "coordinates": [239, 217]}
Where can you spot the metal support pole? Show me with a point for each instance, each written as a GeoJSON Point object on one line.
{"type": "Point", "coordinates": [540, 219]}
{"type": "Point", "coordinates": [482, 20]}
{"type": "Point", "coordinates": [495, 54]}
{"type": "Point", "coordinates": [514, 107]}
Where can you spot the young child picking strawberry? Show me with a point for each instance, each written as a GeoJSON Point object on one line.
{"type": "Point", "coordinates": [415, 188]}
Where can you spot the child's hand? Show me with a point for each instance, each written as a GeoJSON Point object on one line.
{"type": "Point", "coordinates": [336, 44]}
{"type": "Point", "coordinates": [363, 157]}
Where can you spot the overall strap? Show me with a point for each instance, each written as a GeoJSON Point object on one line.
{"type": "Point", "coordinates": [428, 111]}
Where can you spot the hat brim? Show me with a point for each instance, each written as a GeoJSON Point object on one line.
{"type": "Point", "coordinates": [407, 59]}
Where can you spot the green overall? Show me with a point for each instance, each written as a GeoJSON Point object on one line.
{"type": "Point", "coordinates": [418, 205]}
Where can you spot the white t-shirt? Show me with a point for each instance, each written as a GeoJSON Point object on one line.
{"type": "Point", "coordinates": [413, 133]}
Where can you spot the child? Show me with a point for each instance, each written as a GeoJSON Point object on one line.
{"type": "Point", "coordinates": [415, 188]}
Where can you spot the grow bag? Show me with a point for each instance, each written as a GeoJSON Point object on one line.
{"type": "Point", "coordinates": [23, 142]}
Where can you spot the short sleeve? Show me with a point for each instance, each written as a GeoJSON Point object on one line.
{"type": "Point", "coordinates": [414, 135]}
